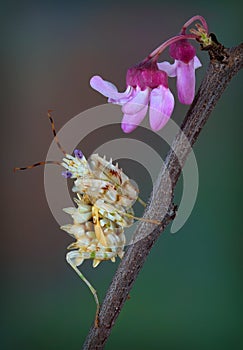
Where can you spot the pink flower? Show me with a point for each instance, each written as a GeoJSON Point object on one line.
{"type": "Point", "coordinates": [186, 62]}
{"type": "Point", "coordinates": [146, 85]}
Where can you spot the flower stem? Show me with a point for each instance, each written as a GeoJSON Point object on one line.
{"type": "Point", "coordinates": [193, 19]}
{"type": "Point", "coordinates": [167, 43]}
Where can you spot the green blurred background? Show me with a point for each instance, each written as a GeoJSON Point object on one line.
{"type": "Point", "coordinates": [189, 293]}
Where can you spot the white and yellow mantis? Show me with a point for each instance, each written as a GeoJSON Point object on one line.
{"type": "Point", "coordinates": [105, 196]}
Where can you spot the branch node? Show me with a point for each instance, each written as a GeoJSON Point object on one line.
{"type": "Point", "coordinates": [217, 51]}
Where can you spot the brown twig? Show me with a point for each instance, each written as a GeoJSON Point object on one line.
{"type": "Point", "coordinates": [224, 64]}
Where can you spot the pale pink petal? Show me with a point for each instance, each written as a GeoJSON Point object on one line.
{"type": "Point", "coordinates": [168, 68]}
{"type": "Point", "coordinates": [131, 121]}
{"type": "Point", "coordinates": [130, 93]}
{"type": "Point", "coordinates": [197, 63]}
{"type": "Point", "coordinates": [108, 89]}
{"type": "Point", "coordinates": [161, 107]}
{"type": "Point", "coordinates": [186, 82]}
{"type": "Point", "coordinates": [138, 102]}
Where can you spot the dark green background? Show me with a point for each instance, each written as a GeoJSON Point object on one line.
{"type": "Point", "coordinates": [189, 293]}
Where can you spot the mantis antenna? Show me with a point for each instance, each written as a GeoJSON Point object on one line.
{"type": "Point", "coordinates": [58, 145]}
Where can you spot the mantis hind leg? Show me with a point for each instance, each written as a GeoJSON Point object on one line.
{"type": "Point", "coordinates": [141, 202]}
{"type": "Point", "coordinates": [70, 257]}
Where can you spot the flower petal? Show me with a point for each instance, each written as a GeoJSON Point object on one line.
{"type": "Point", "coordinates": [197, 63]}
{"type": "Point", "coordinates": [186, 82]}
{"type": "Point", "coordinates": [168, 68]}
{"type": "Point", "coordinates": [161, 107]}
{"type": "Point", "coordinates": [131, 121]}
{"type": "Point", "coordinates": [108, 89]}
{"type": "Point", "coordinates": [129, 93]}
{"type": "Point", "coordinates": [138, 102]}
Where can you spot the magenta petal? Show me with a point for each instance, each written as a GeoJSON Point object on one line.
{"type": "Point", "coordinates": [186, 82]}
{"type": "Point", "coordinates": [138, 102]}
{"type": "Point", "coordinates": [161, 107]}
{"type": "Point", "coordinates": [131, 121]}
{"type": "Point", "coordinates": [168, 68]}
{"type": "Point", "coordinates": [108, 89]}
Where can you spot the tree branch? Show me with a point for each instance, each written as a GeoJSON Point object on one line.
{"type": "Point", "coordinates": [224, 64]}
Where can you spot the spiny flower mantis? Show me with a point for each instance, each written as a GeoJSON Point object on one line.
{"type": "Point", "coordinates": [104, 198]}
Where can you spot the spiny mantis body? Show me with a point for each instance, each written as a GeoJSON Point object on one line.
{"type": "Point", "coordinates": [105, 196]}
